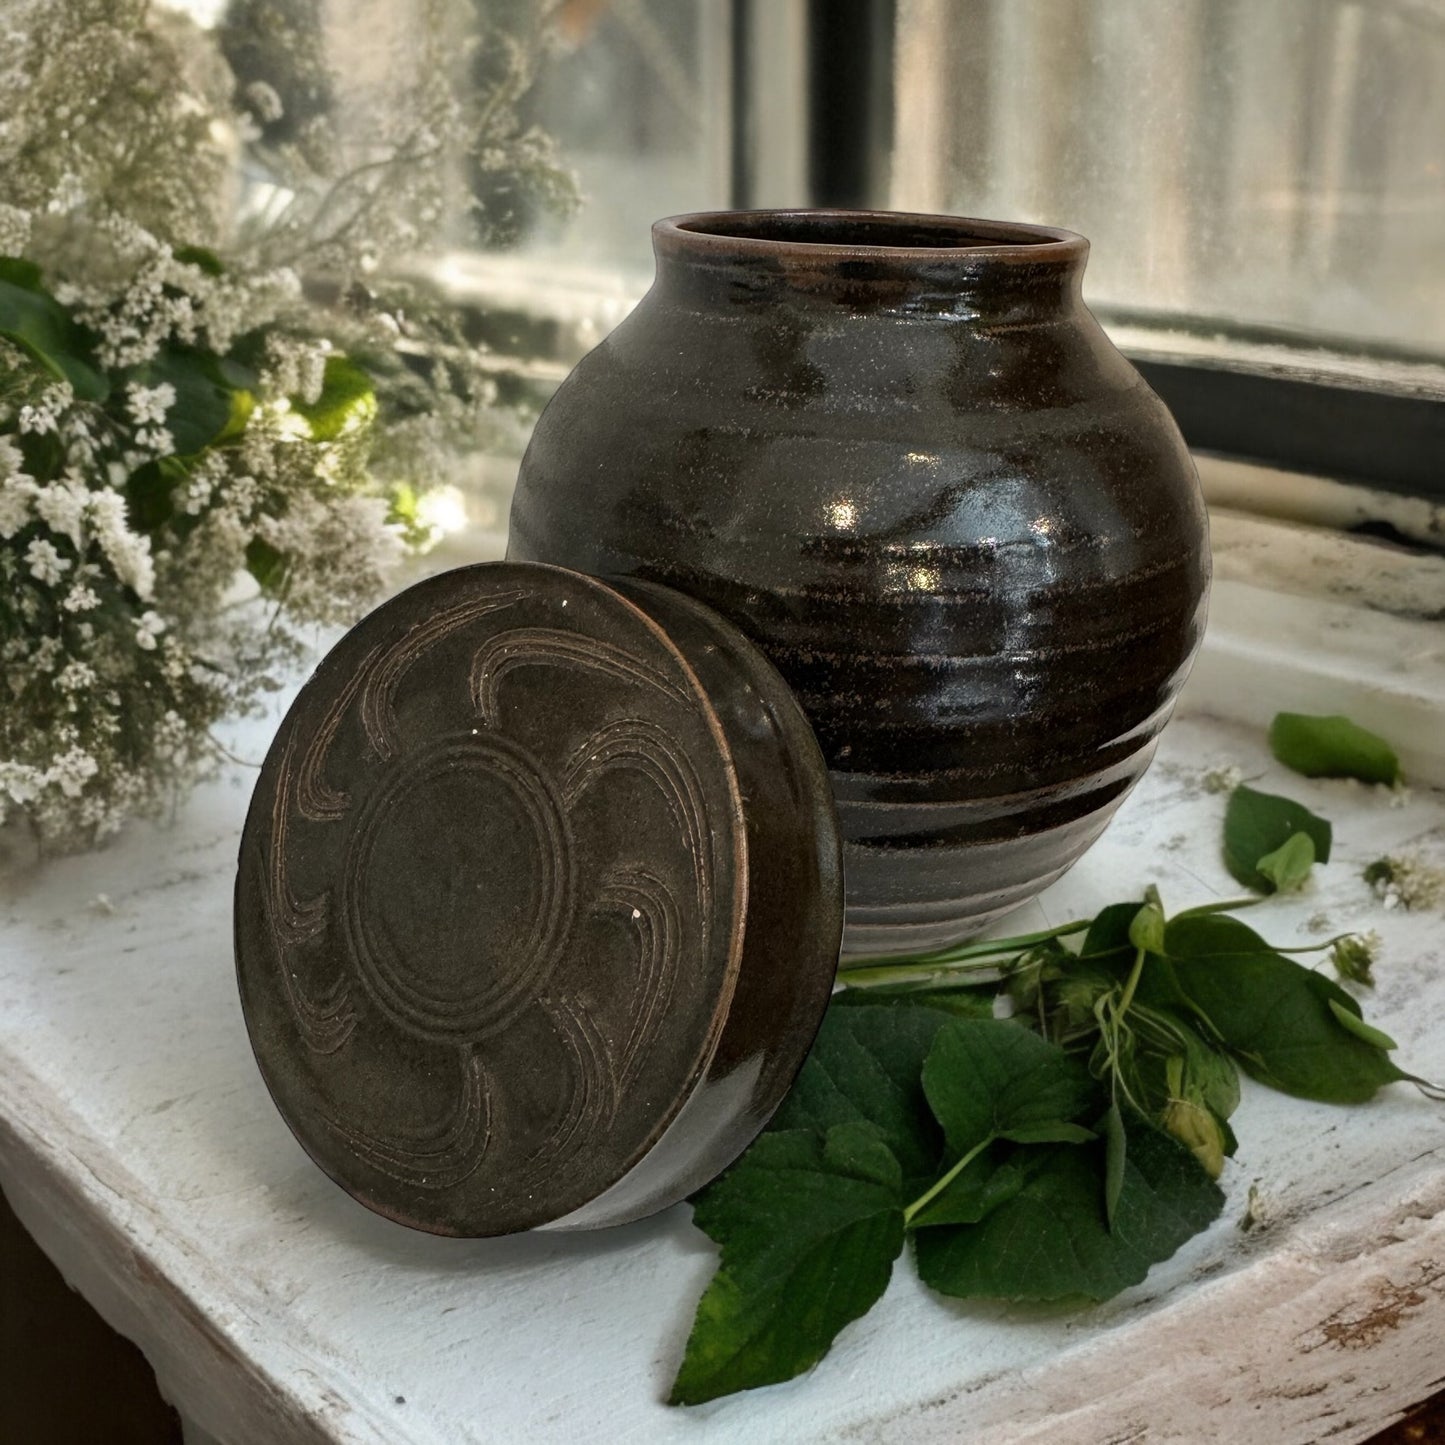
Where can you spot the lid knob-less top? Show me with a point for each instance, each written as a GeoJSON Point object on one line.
{"type": "Point", "coordinates": [539, 901]}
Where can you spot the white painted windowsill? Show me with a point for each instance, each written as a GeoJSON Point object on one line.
{"type": "Point", "coordinates": [139, 1146]}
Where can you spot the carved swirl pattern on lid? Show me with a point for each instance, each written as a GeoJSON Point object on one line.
{"type": "Point", "coordinates": [486, 900]}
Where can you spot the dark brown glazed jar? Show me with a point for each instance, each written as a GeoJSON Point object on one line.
{"type": "Point", "coordinates": [900, 453]}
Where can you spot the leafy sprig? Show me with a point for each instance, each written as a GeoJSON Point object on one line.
{"type": "Point", "coordinates": [1044, 1116]}
{"type": "Point", "coordinates": [1055, 1152]}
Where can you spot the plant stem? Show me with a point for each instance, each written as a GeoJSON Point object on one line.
{"type": "Point", "coordinates": [1127, 997]}
{"type": "Point", "coordinates": [932, 1193]}
{"type": "Point", "coordinates": [888, 973]}
{"type": "Point", "coordinates": [964, 952]}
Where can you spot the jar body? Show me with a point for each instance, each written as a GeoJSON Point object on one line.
{"type": "Point", "coordinates": [921, 478]}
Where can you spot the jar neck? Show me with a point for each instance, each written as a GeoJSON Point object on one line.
{"type": "Point", "coordinates": [887, 261]}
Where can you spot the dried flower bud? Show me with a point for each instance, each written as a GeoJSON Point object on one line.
{"type": "Point", "coordinates": [1353, 955]}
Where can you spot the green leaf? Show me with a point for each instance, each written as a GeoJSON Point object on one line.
{"type": "Point", "coordinates": [1146, 928]}
{"type": "Point", "coordinates": [36, 322]}
{"type": "Point", "coordinates": [1274, 1015]}
{"type": "Point", "coordinates": [202, 257]}
{"type": "Point", "coordinates": [1051, 1240]}
{"type": "Point", "coordinates": [22, 273]}
{"type": "Point", "coordinates": [977, 1190]}
{"type": "Point", "coordinates": [866, 1066]}
{"type": "Point", "coordinates": [1378, 1038]}
{"type": "Point", "coordinates": [1257, 824]}
{"type": "Point", "coordinates": [1116, 1157]}
{"type": "Point", "coordinates": [242, 404]}
{"type": "Point", "coordinates": [1050, 1132]}
{"type": "Point", "coordinates": [1209, 1076]}
{"type": "Point", "coordinates": [808, 1229]}
{"type": "Point", "coordinates": [1109, 932]}
{"type": "Point", "coordinates": [1332, 747]}
{"type": "Point", "coordinates": [204, 406]}
{"type": "Point", "coordinates": [993, 1079]}
{"type": "Point", "coordinates": [150, 492]}
{"type": "Point", "coordinates": [266, 564]}
{"type": "Point", "coordinates": [347, 399]}
{"type": "Point", "coordinates": [1289, 865]}
{"type": "Point", "coordinates": [858, 1151]}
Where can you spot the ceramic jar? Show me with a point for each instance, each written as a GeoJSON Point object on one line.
{"type": "Point", "coordinates": [901, 455]}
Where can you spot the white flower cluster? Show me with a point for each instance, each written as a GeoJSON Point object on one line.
{"type": "Point", "coordinates": [14, 230]}
{"type": "Point", "coordinates": [128, 536]}
{"type": "Point", "coordinates": [295, 367]}
{"type": "Point", "coordinates": [160, 298]}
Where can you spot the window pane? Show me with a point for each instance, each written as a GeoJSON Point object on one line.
{"type": "Point", "coordinates": [636, 93]}
{"type": "Point", "coordinates": [1278, 164]}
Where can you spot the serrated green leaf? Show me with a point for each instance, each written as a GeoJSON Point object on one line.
{"type": "Point", "coordinates": [1332, 747]}
{"type": "Point", "coordinates": [1051, 1239]}
{"type": "Point", "coordinates": [348, 399]}
{"type": "Point", "coordinates": [866, 1066]}
{"type": "Point", "coordinates": [858, 1150]}
{"type": "Point", "coordinates": [1288, 867]}
{"type": "Point", "coordinates": [1273, 1014]}
{"type": "Point", "coordinates": [974, 1193]}
{"type": "Point", "coordinates": [1257, 824]}
{"type": "Point", "coordinates": [808, 1231]}
{"type": "Point", "coordinates": [986, 1078]}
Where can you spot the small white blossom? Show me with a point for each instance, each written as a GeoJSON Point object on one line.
{"type": "Point", "coordinates": [1223, 780]}
{"type": "Point", "coordinates": [156, 439]}
{"type": "Point", "coordinates": [80, 598]}
{"type": "Point", "coordinates": [70, 771]}
{"type": "Point", "coordinates": [152, 624]}
{"type": "Point", "coordinates": [46, 564]}
{"type": "Point", "coordinates": [128, 552]}
{"type": "Point", "coordinates": [16, 496]}
{"type": "Point", "coordinates": [44, 415]}
{"type": "Point", "coordinates": [68, 194]}
{"type": "Point", "coordinates": [74, 676]}
{"type": "Point", "coordinates": [14, 230]}
{"type": "Point", "coordinates": [12, 459]}
{"type": "Point", "coordinates": [20, 782]}
{"type": "Point", "coordinates": [62, 506]}
{"type": "Point", "coordinates": [150, 403]}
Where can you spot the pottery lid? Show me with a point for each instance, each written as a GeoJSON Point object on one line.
{"type": "Point", "coordinates": [539, 901]}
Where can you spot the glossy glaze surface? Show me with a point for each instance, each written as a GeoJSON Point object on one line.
{"type": "Point", "coordinates": [539, 902]}
{"type": "Point", "coordinates": [902, 456]}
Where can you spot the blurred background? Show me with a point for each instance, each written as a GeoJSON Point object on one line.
{"type": "Point", "coordinates": [1234, 164]}
{"type": "Point", "coordinates": [1263, 185]}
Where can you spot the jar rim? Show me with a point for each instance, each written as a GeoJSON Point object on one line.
{"type": "Point", "coordinates": [829, 234]}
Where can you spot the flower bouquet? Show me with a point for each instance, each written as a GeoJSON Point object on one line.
{"type": "Point", "coordinates": [220, 424]}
